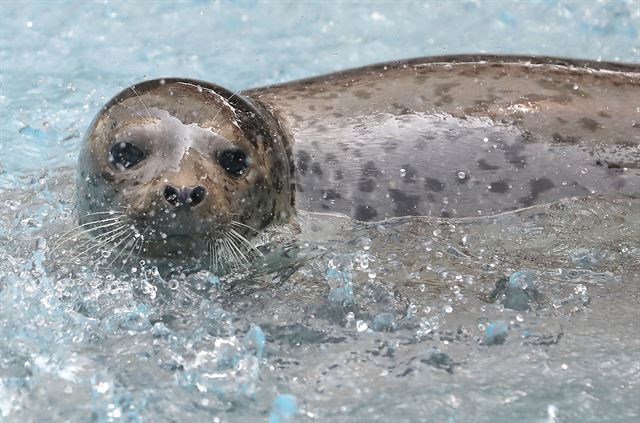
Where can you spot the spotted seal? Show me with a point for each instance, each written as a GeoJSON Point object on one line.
{"type": "Point", "coordinates": [188, 163]}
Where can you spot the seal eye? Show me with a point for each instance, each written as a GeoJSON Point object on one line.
{"type": "Point", "coordinates": [123, 155]}
{"type": "Point", "coordinates": [234, 162]}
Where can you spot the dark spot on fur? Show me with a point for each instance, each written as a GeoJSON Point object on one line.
{"type": "Point", "coordinates": [538, 186]}
{"type": "Point", "coordinates": [107, 176]}
{"type": "Point", "coordinates": [410, 174]}
{"type": "Point", "coordinates": [362, 94]}
{"type": "Point", "coordinates": [421, 79]}
{"type": "Point", "coordinates": [441, 89]}
{"type": "Point", "coordinates": [405, 204]}
{"type": "Point", "coordinates": [561, 119]}
{"type": "Point", "coordinates": [589, 124]}
{"type": "Point", "coordinates": [316, 169]}
{"type": "Point", "coordinates": [433, 184]}
{"type": "Point", "coordinates": [401, 109]}
{"type": "Point", "coordinates": [564, 140]}
{"type": "Point", "coordinates": [370, 170]}
{"type": "Point", "coordinates": [613, 165]}
{"type": "Point", "coordinates": [513, 154]}
{"type": "Point", "coordinates": [365, 213]}
{"type": "Point", "coordinates": [604, 114]}
{"type": "Point", "coordinates": [482, 164]}
{"type": "Point", "coordinates": [330, 194]}
{"type": "Point", "coordinates": [445, 99]}
{"type": "Point", "coordinates": [302, 164]}
{"type": "Point", "coordinates": [445, 214]}
{"type": "Point", "coordinates": [338, 175]}
{"type": "Point", "coordinates": [330, 158]}
{"type": "Point", "coordinates": [367, 185]}
{"type": "Point", "coordinates": [390, 146]}
{"type": "Point", "coordinates": [499, 187]}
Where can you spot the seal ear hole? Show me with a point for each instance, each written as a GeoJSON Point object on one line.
{"type": "Point", "coordinates": [124, 155]}
{"type": "Point", "coordinates": [234, 161]}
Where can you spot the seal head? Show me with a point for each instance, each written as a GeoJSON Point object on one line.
{"type": "Point", "coordinates": [179, 168]}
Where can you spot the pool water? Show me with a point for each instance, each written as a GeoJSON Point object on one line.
{"type": "Point", "coordinates": [527, 316]}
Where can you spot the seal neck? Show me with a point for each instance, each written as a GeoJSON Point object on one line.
{"type": "Point", "coordinates": [281, 134]}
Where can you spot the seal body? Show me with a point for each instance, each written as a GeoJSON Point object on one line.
{"type": "Point", "coordinates": [188, 164]}
{"type": "Point", "coordinates": [461, 136]}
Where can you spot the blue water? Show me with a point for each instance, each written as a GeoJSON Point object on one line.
{"type": "Point", "coordinates": [406, 322]}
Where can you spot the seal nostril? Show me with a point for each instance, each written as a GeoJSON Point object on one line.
{"type": "Point", "coordinates": [172, 195]}
{"type": "Point", "coordinates": [184, 197]}
{"type": "Point", "coordinates": [197, 195]}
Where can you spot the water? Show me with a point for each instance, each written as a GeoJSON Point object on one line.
{"type": "Point", "coordinates": [527, 316]}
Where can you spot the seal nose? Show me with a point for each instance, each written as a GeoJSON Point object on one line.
{"type": "Point", "coordinates": [189, 197]}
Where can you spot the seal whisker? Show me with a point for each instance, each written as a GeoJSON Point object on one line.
{"type": "Point", "coordinates": [132, 238]}
{"type": "Point", "coordinates": [104, 241]}
{"type": "Point", "coordinates": [122, 104]}
{"type": "Point", "coordinates": [235, 248]}
{"type": "Point", "coordinates": [230, 253]}
{"type": "Point", "coordinates": [111, 211]}
{"type": "Point", "coordinates": [99, 237]}
{"type": "Point", "coordinates": [213, 121]}
{"type": "Point", "coordinates": [140, 98]}
{"type": "Point", "coordinates": [137, 237]}
{"type": "Point", "coordinates": [245, 241]}
{"type": "Point", "coordinates": [121, 239]}
{"type": "Point", "coordinates": [69, 234]}
{"type": "Point", "coordinates": [216, 255]}
{"type": "Point", "coordinates": [242, 225]}
{"type": "Point", "coordinates": [142, 241]}
{"type": "Point", "coordinates": [213, 255]}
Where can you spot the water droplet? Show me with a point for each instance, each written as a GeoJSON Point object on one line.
{"type": "Point", "coordinates": [361, 326]}
{"type": "Point", "coordinates": [105, 253]}
{"type": "Point", "coordinates": [461, 175]}
{"type": "Point", "coordinates": [485, 139]}
{"type": "Point", "coordinates": [448, 309]}
{"type": "Point", "coordinates": [584, 170]}
{"type": "Point", "coordinates": [102, 387]}
{"type": "Point", "coordinates": [377, 16]}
